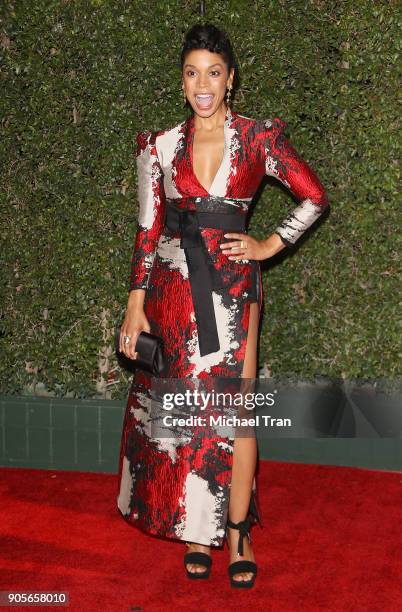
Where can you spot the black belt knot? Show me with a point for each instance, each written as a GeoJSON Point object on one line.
{"type": "Point", "coordinates": [203, 275]}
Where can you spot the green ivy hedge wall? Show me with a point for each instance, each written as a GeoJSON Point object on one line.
{"type": "Point", "coordinates": [79, 80]}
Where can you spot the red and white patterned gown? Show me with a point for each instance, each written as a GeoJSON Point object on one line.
{"type": "Point", "coordinates": [201, 311]}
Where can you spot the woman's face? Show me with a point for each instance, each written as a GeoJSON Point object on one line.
{"type": "Point", "coordinates": [205, 79]}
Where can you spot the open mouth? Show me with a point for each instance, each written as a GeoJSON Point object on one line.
{"type": "Point", "coordinates": [204, 100]}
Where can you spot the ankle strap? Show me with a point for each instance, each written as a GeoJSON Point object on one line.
{"type": "Point", "coordinates": [244, 528]}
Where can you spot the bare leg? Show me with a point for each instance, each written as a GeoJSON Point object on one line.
{"type": "Point", "coordinates": [244, 458]}
{"type": "Point", "coordinates": [244, 462]}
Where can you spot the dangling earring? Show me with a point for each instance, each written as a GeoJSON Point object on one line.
{"type": "Point", "coordinates": [184, 96]}
{"type": "Point", "coordinates": [228, 94]}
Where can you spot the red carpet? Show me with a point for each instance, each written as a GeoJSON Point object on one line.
{"type": "Point", "coordinates": [332, 540]}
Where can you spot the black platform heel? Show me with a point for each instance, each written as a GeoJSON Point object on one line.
{"type": "Point", "coordinates": [201, 559]}
{"type": "Point", "coordinates": [244, 565]}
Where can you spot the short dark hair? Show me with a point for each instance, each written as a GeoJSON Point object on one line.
{"type": "Point", "coordinates": [207, 36]}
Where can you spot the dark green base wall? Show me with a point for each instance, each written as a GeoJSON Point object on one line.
{"type": "Point", "coordinates": [70, 434]}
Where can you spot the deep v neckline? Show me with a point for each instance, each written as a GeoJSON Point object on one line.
{"type": "Point", "coordinates": [228, 118]}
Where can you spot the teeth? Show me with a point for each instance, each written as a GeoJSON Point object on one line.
{"type": "Point", "coordinates": [204, 95]}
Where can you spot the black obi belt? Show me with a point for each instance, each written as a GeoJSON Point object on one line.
{"type": "Point", "coordinates": [209, 212]}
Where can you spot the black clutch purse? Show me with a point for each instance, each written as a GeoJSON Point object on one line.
{"type": "Point", "coordinates": [150, 353]}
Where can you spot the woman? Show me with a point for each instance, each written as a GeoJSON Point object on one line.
{"type": "Point", "coordinates": [196, 282]}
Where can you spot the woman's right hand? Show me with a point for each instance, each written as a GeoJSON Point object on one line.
{"type": "Point", "coordinates": [134, 323]}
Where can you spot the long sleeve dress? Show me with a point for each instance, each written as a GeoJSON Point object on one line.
{"type": "Point", "coordinates": [198, 301]}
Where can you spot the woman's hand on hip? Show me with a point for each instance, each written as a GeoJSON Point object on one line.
{"type": "Point", "coordinates": [244, 246]}
{"type": "Point", "coordinates": [134, 323]}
